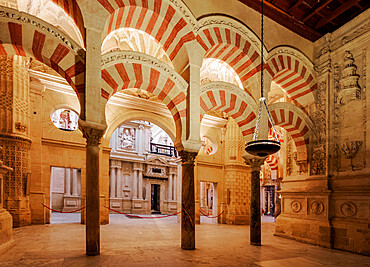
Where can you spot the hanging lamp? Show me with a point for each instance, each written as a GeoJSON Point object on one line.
{"type": "Point", "coordinates": [262, 148]}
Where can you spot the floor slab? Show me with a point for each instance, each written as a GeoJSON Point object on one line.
{"type": "Point", "coordinates": [156, 242]}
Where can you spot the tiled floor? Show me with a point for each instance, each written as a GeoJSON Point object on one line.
{"type": "Point", "coordinates": [148, 242]}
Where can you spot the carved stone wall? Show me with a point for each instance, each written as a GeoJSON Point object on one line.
{"type": "Point", "coordinates": [332, 207]}
{"type": "Point", "coordinates": [14, 136]}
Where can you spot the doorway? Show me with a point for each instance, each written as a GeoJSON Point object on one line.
{"type": "Point", "coordinates": [208, 202]}
{"type": "Point", "coordinates": [65, 195]}
{"type": "Point", "coordinates": [269, 201]}
{"type": "Point", "coordinates": [155, 200]}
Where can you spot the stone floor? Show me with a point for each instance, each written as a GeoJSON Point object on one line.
{"type": "Point", "coordinates": [156, 242]}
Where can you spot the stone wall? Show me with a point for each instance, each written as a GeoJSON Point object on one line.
{"type": "Point", "coordinates": [331, 207]}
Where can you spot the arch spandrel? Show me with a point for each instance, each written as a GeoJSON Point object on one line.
{"type": "Point", "coordinates": [233, 101]}
{"type": "Point", "coordinates": [296, 123]}
{"type": "Point", "coordinates": [123, 70]}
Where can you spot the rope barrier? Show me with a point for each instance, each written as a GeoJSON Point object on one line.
{"type": "Point", "coordinates": [61, 211]}
{"type": "Point", "coordinates": [212, 216]}
{"type": "Point", "coordinates": [143, 217]}
{"type": "Point", "coordinates": [203, 211]}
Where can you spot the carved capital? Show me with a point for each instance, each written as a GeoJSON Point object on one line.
{"type": "Point", "coordinates": [254, 162]}
{"type": "Point", "coordinates": [92, 132]}
{"type": "Point", "coordinates": [187, 157]}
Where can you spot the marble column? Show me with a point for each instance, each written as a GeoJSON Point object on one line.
{"type": "Point", "coordinates": [140, 189]}
{"type": "Point", "coordinates": [113, 182]}
{"type": "Point", "coordinates": [255, 208]}
{"type": "Point", "coordinates": [74, 182]}
{"type": "Point", "coordinates": [119, 183]}
{"type": "Point", "coordinates": [187, 200]}
{"type": "Point", "coordinates": [93, 133]}
{"type": "Point", "coordinates": [134, 186]}
{"type": "Point", "coordinates": [170, 187]}
{"type": "Point", "coordinates": [68, 182]}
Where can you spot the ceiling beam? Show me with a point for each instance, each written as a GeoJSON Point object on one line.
{"type": "Point", "coordinates": [295, 5]}
{"type": "Point", "coordinates": [340, 10]}
{"type": "Point", "coordinates": [315, 10]}
{"type": "Point", "coordinates": [283, 18]}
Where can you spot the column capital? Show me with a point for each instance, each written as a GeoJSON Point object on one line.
{"type": "Point", "coordinates": [92, 132]}
{"type": "Point", "coordinates": [187, 156]}
{"type": "Point", "coordinates": [253, 161]}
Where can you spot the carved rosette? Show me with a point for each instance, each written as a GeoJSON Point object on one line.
{"type": "Point", "coordinates": [92, 132]}
{"type": "Point", "coordinates": [296, 206]}
{"type": "Point", "coordinates": [317, 207]}
{"type": "Point", "coordinates": [348, 209]}
{"type": "Point", "coordinates": [187, 157]}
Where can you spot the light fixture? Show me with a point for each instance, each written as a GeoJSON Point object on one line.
{"type": "Point", "coordinates": [262, 148]}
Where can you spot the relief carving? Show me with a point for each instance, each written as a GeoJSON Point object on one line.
{"type": "Point", "coordinates": [348, 209]}
{"type": "Point", "coordinates": [296, 206]}
{"type": "Point", "coordinates": [127, 138]}
{"type": "Point", "coordinates": [317, 207]}
{"type": "Point", "coordinates": [350, 90]}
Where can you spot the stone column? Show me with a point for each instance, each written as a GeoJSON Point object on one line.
{"type": "Point", "coordinates": [170, 187]}
{"type": "Point", "coordinates": [140, 189]}
{"type": "Point", "coordinates": [112, 182]}
{"type": "Point", "coordinates": [174, 187]}
{"type": "Point", "coordinates": [74, 182]}
{"type": "Point", "coordinates": [187, 200]}
{"type": "Point", "coordinates": [68, 182]}
{"type": "Point", "coordinates": [134, 186]}
{"type": "Point", "coordinates": [255, 228]}
{"type": "Point", "coordinates": [119, 182]}
{"type": "Point", "coordinates": [93, 133]}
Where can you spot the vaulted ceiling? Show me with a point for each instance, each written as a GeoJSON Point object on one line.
{"type": "Point", "coordinates": [310, 18]}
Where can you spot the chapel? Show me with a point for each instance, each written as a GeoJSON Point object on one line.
{"type": "Point", "coordinates": [146, 107]}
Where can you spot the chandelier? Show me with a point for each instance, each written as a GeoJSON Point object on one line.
{"type": "Point", "coordinates": [262, 148]}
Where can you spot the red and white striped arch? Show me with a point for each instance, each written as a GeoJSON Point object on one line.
{"type": "Point", "coordinates": [137, 70]}
{"type": "Point", "coordinates": [24, 39]}
{"type": "Point", "coordinates": [159, 18]}
{"type": "Point", "coordinates": [295, 122]}
{"type": "Point", "coordinates": [230, 41]}
{"type": "Point", "coordinates": [230, 99]}
{"type": "Point", "coordinates": [273, 162]}
{"type": "Point", "coordinates": [73, 10]}
{"type": "Point", "coordinates": [292, 71]}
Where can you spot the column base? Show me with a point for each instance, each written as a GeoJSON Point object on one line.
{"type": "Point", "coordinates": [6, 231]}
{"type": "Point", "coordinates": [137, 206]}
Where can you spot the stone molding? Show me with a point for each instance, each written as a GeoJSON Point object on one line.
{"type": "Point", "coordinates": [114, 57]}
{"type": "Point", "coordinates": [286, 50]}
{"type": "Point", "coordinates": [12, 14]}
{"type": "Point", "coordinates": [235, 26]}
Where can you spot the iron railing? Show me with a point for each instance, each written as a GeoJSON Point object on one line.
{"type": "Point", "coordinates": [164, 150]}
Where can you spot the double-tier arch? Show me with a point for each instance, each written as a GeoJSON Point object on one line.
{"type": "Point", "coordinates": [170, 23]}
{"type": "Point", "coordinates": [25, 35]}
{"type": "Point", "coordinates": [228, 40]}
{"type": "Point", "coordinates": [124, 70]}
{"type": "Point", "coordinates": [296, 123]}
{"type": "Point", "coordinates": [233, 101]}
{"type": "Point", "coordinates": [293, 72]}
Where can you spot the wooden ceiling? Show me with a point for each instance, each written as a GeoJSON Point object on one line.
{"type": "Point", "coordinates": [310, 18]}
